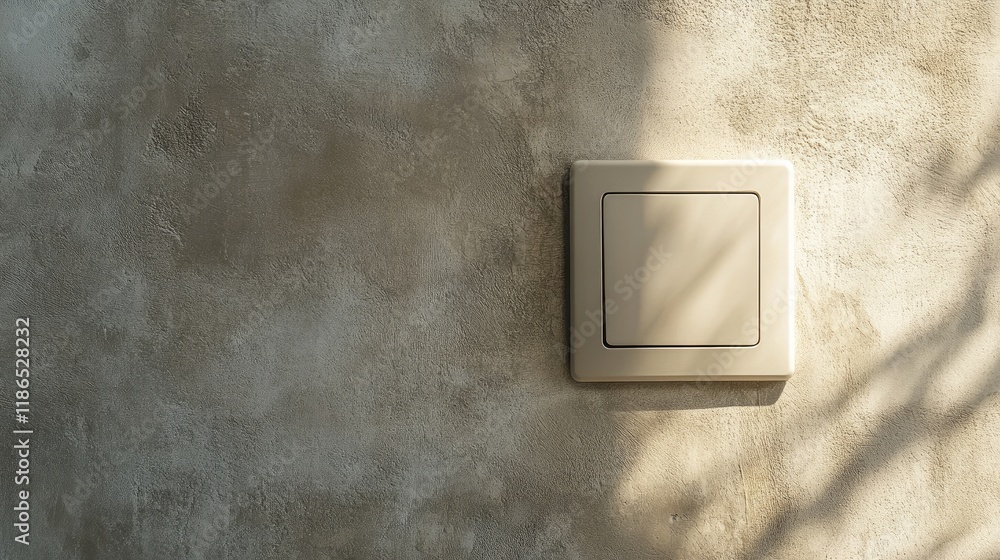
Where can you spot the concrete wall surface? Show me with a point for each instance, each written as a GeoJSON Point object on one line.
{"type": "Point", "coordinates": [295, 274]}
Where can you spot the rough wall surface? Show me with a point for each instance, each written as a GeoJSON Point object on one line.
{"type": "Point", "coordinates": [296, 278]}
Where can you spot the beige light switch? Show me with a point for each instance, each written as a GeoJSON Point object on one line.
{"type": "Point", "coordinates": [681, 269]}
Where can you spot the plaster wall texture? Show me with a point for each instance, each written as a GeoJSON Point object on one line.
{"type": "Point", "coordinates": [296, 277]}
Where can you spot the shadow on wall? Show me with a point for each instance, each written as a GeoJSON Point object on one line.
{"type": "Point", "coordinates": [861, 458]}
{"type": "Point", "coordinates": [868, 457]}
{"type": "Point", "coordinates": [915, 371]}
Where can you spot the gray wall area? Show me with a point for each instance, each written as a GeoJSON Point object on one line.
{"type": "Point", "coordinates": [296, 275]}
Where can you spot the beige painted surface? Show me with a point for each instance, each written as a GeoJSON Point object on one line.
{"type": "Point", "coordinates": [354, 345]}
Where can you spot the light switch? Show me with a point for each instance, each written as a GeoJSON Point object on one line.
{"type": "Point", "coordinates": [681, 270]}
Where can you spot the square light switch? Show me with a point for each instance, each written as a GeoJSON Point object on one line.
{"type": "Point", "coordinates": [681, 270]}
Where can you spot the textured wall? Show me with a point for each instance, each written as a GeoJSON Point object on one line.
{"type": "Point", "coordinates": [296, 278]}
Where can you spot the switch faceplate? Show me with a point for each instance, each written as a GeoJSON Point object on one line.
{"type": "Point", "coordinates": [681, 270]}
